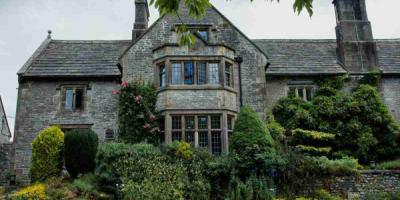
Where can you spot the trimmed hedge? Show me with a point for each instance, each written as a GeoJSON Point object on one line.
{"type": "Point", "coordinates": [80, 151]}
{"type": "Point", "coordinates": [47, 150]}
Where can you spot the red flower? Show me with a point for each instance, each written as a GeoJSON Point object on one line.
{"type": "Point", "coordinates": [152, 117]}
{"type": "Point", "coordinates": [146, 126]}
{"type": "Point", "coordinates": [124, 84]}
{"type": "Point", "coordinates": [114, 92]}
{"type": "Point", "coordinates": [137, 98]}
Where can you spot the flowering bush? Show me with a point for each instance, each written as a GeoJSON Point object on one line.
{"type": "Point", "coordinates": [137, 112]}
{"type": "Point", "coordinates": [34, 192]}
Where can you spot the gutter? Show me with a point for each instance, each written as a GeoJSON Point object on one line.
{"type": "Point", "coordinates": [239, 60]}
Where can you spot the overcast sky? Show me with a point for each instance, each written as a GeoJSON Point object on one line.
{"type": "Point", "coordinates": [24, 25]}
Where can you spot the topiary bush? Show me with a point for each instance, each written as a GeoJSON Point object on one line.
{"type": "Point", "coordinates": [47, 151]}
{"type": "Point", "coordinates": [250, 142]}
{"type": "Point", "coordinates": [80, 151]}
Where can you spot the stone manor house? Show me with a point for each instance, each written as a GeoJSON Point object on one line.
{"type": "Point", "coordinates": [200, 89]}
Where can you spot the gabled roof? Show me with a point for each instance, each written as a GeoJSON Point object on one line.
{"type": "Point", "coordinates": [311, 57]}
{"type": "Point", "coordinates": [65, 58]}
{"type": "Point", "coordinates": [389, 55]}
{"type": "Point", "coordinates": [4, 132]}
{"type": "Point", "coordinates": [300, 57]}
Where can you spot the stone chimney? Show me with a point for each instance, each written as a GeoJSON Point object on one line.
{"type": "Point", "coordinates": [356, 48]}
{"type": "Point", "coordinates": [141, 18]}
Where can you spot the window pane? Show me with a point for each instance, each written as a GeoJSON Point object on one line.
{"type": "Point", "coordinates": [109, 134]}
{"type": "Point", "coordinates": [176, 73]}
{"type": "Point", "coordinates": [201, 73]}
{"type": "Point", "coordinates": [79, 98]}
{"type": "Point", "coordinates": [69, 99]}
{"type": "Point", "coordinates": [300, 92]}
{"type": "Point", "coordinates": [230, 122]}
{"type": "Point", "coordinates": [228, 74]}
{"type": "Point", "coordinates": [308, 94]}
{"type": "Point", "coordinates": [176, 122]}
{"type": "Point", "coordinates": [203, 122]}
{"type": "Point", "coordinates": [203, 34]}
{"type": "Point", "coordinates": [189, 137]}
{"type": "Point", "coordinates": [213, 74]}
{"type": "Point", "coordinates": [216, 142]}
{"type": "Point", "coordinates": [189, 120]}
{"type": "Point", "coordinates": [176, 136]}
{"type": "Point", "coordinates": [215, 122]}
{"type": "Point", "coordinates": [162, 76]}
{"type": "Point", "coordinates": [203, 139]}
{"type": "Point", "coordinates": [189, 73]}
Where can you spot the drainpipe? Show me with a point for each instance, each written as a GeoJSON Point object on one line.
{"type": "Point", "coordinates": [239, 60]}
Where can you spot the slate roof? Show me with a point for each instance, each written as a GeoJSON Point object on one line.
{"type": "Point", "coordinates": [310, 57]}
{"type": "Point", "coordinates": [389, 55]}
{"type": "Point", "coordinates": [56, 58]}
{"type": "Point", "coordinates": [300, 57]}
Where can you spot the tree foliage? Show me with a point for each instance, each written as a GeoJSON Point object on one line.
{"type": "Point", "coordinates": [137, 112]}
{"type": "Point", "coordinates": [47, 151]}
{"type": "Point", "coordinates": [80, 151]}
{"type": "Point", "coordinates": [197, 9]}
{"type": "Point", "coordinates": [360, 121]}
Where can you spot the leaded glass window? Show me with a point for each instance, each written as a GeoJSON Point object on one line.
{"type": "Point", "coordinates": [213, 73]}
{"type": "Point", "coordinates": [189, 73]}
{"type": "Point", "coordinates": [216, 142]}
{"type": "Point", "coordinates": [176, 73]}
{"type": "Point", "coordinates": [162, 76]}
{"type": "Point", "coordinates": [201, 73]}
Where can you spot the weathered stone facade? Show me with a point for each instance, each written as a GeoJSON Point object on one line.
{"type": "Point", "coordinates": [100, 113]}
{"type": "Point", "coordinates": [260, 73]}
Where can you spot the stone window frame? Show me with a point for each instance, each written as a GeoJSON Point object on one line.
{"type": "Point", "coordinates": [169, 61]}
{"type": "Point", "coordinates": [230, 74]}
{"type": "Point", "coordinates": [168, 114]}
{"type": "Point", "coordinates": [182, 132]}
{"type": "Point", "coordinates": [74, 87]}
{"type": "Point", "coordinates": [302, 89]}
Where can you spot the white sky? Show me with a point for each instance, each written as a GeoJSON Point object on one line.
{"type": "Point", "coordinates": [24, 25]}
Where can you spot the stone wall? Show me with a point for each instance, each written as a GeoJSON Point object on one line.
{"type": "Point", "coordinates": [366, 181]}
{"type": "Point", "coordinates": [5, 162]}
{"type": "Point", "coordinates": [390, 87]}
{"type": "Point", "coordinates": [40, 105]}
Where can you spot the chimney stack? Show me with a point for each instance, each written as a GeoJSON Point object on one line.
{"type": "Point", "coordinates": [141, 19]}
{"type": "Point", "coordinates": [356, 48]}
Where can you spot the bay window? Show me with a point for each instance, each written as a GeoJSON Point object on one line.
{"type": "Point", "coordinates": [176, 73]}
{"type": "Point", "coordinates": [213, 73]}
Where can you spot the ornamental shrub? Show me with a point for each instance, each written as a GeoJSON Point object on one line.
{"type": "Point", "coordinates": [80, 148]}
{"type": "Point", "coordinates": [34, 192]}
{"type": "Point", "coordinates": [47, 151]}
{"type": "Point", "coordinates": [312, 142]}
{"type": "Point", "coordinates": [137, 113]}
{"type": "Point", "coordinates": [360, 121]}
{"type": "Point", "coordinates": [250, 142]}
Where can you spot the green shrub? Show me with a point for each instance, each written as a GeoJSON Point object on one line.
{"type": "Point", "coordinates": [47, 150]}
{"type": "Point", "coordinates": [80, 148]}
{"type": "Point", "coordinates": [360, 121]}
{"type": "Point", "coordinates": [382, 196]}
{"type": "Point", "coordinates": [275, 129]}
{"type": "Point", "coordinates": [394, 164]}
{"type": "Point", "coordinates": [106, 173]}
{"type": "Point", "coordinates": [312, 142]}
{"type": "Point", "coordinates": [137, 113]}
{"type": "Point", "coordinates": [250, 141]}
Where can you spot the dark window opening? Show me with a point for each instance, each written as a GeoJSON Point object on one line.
{"type": "Point", "coordinates": [189, 74]}
{"type": "Point", "coordinates": [162, 75]}
{"type": "Point", "coordinates": [176, 136]}
{"type": "Point", "coordinates": [203, 139]}
{"type": "Point", "coordinates": [176, 122]}
{"type": "Point", "coordinates": [189, 121]}
{"type": "Point", "coordinates": [215, 122]}
{"type": "Point", "coordinates": [216, 142]}
{"type": "Point", "coordinates": [73, 99]}
{"type": "Point", "coordinates": [189, 137]}
{"type": "Point", "coordinates": [228, 74]}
